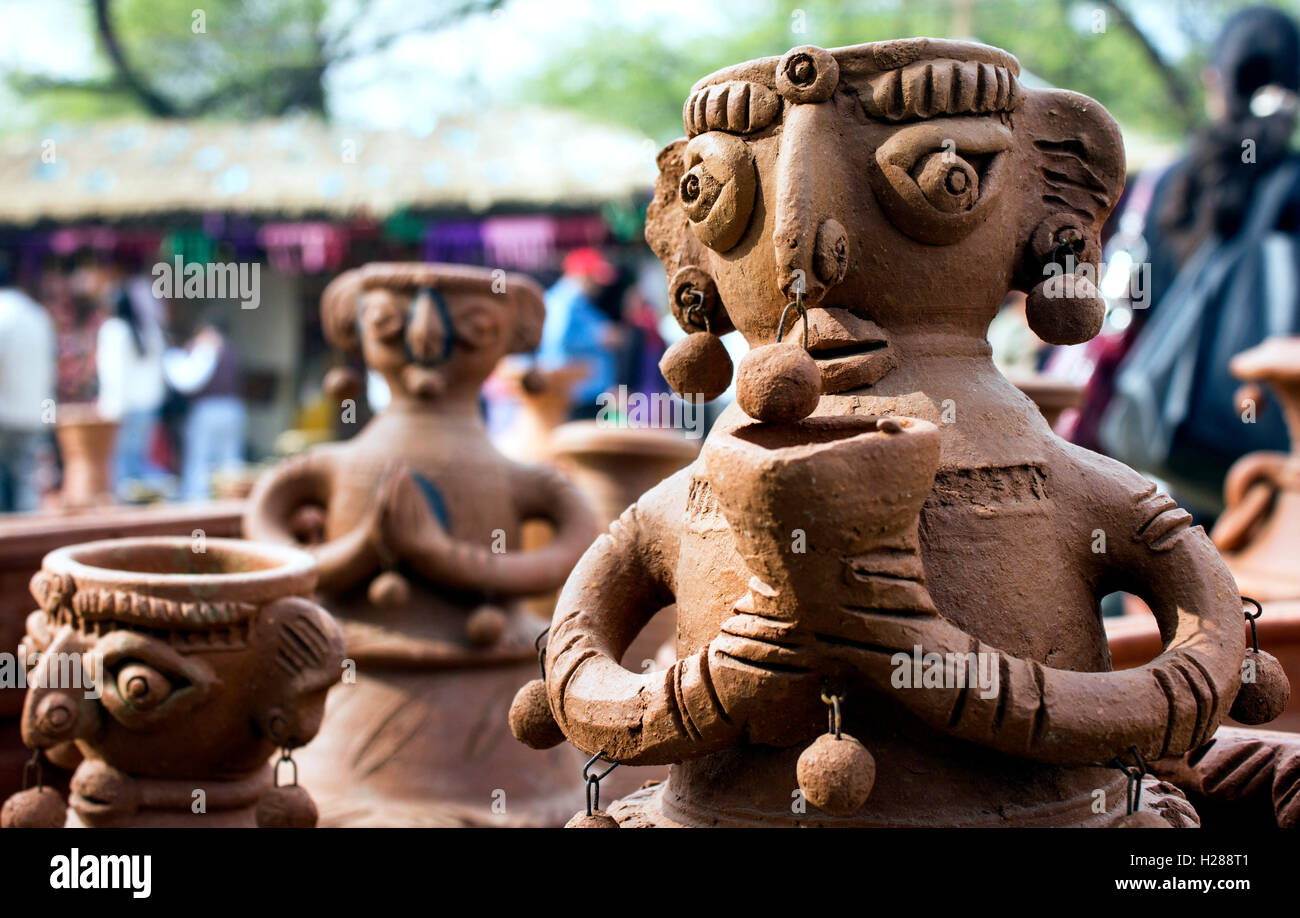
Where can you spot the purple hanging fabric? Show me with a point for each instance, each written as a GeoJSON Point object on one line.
{"type": "Point", "coordinates": [456, 242]}
{"type": "Point", "coordinates": [524, 243]}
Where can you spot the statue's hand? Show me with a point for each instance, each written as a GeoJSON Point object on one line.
{"type": "Point", "coordinates": [407, 524]}
{"type": "Point", "coordinates": [766, 677]}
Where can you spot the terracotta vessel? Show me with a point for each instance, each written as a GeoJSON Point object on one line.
{"type": "Point", "coordinates": [859, 215]}
{"type": "Point", "coordinates": [1259, 530]}
{"type": "Point", "coordinates": [25, 540]}
{"type": "Point", "coordinates": [416, 524]}
{"type": "Point", "coordinates": [86, 443]}
{"type": "Point", "coordinates": [545, 398]}
{"type": "Point", "coordinates": [169, 670]}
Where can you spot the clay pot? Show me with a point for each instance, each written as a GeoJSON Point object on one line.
{"type": "Point", "coordinates": [212, 658]}
{"type": "Point", "coordinates": [544, 398]}
{"type": "Point", "coordinates": [418, 732]}
{"type": "Point", "coordinates": [86, 442]}
{"type": "Point", "coordinates": [1260, 527]}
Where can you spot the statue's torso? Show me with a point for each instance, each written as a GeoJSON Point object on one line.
{"type": "Point", "coordinates": [1003, 560]}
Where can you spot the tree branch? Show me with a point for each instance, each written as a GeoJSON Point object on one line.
{"type": "Point", "coordinates": [154, 103]}
{"type": "Point", "coordinates": [1175, 85]}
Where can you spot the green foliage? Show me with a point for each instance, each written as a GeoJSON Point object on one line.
{"type": "Point", "coordinates": [641, 78]}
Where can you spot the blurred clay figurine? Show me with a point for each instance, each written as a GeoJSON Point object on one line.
{"type": "Point", "coordinates": [416, 524]}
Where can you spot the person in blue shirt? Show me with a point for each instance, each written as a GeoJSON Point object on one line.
{"type": "Point", "coordinates": [578, 331]}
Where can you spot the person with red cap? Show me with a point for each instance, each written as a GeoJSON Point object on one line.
{"type": "Point", "coordinates": [577, 331]}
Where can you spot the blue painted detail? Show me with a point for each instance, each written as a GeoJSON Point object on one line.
{"type": "Point", "coordinates": [435, 499]}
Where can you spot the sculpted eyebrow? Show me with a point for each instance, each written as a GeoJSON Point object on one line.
{"type": "Point", "coordinates": [737, 107]}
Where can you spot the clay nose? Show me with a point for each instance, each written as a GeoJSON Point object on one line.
{"type": "Point", "coordinates": [426, 331]}
{"type": "Point", "coordinates": [811, 246]}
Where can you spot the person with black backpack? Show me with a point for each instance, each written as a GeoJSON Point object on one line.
{"type": "Point", "coordinates": [1222, 240]}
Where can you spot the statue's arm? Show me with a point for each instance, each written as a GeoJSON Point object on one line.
{"type": "Point", "coordinates": [622, 580]}
{"type": "Point", "coordinates": [308, 478]}
{"type": "Point", "coordinates": [467, 565]}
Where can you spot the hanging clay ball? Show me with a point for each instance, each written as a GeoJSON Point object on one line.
{"type": "Point", "coordinates": [287, 808]}
{"type": "Point", "coordinates": [1065, 310]}
{"type": "Point", "coordinates": [598, 819]}
{"type": "Point", "coordinates": [342, 383]}
{"type": "Point", "coordinates": [778, 383]}
{"type": "Point", "coordinates": [485, 626]}
{"type": "Point", "coordinates": [389, 590]}
{"type": "Point", "coordinates": [531, 720]}
{"type": "Point", "coordinates": [34, 808]}
{"type": "Point", "coordinates": [1142, 819]}
{"type": "Point", "coordinates": [1264, 699]}
{"type": "Point", "coordinates": [697, 365]}
{"type": "Point", "coordinates": [836, 774]}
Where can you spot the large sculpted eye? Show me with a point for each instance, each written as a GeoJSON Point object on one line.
{"type": "Point", "coordinates": [717, 189]}
{"type": "Point", "coordinates": [382, 312]}
{"type": "Point", "coordinates": [937, 181]}
{"type": "Point", "coordinates": [145, 682]}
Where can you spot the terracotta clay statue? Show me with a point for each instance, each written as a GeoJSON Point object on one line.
{"type": "Point", "coordinates": [921, 560]}
{"type": "Point", "coordinates": [1259, 531]}
{"type": "Point", "coordinates": [416, 525]}
{"type": "Point", "coordinates": [169, 670]}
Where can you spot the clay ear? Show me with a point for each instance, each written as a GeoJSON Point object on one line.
{"type": "Point", "coordinates": [307, 658]}
{"type": "Point", "coordinates": [1078, 154]}
{"type": "Point", "coordinates": [338, 310]}
{"type": "Point", "coordinates": [668, 233]}
{"type": "Point", "coordinates": [530, 313]}
{"type": "Point", "coordinates": [1079, 157]}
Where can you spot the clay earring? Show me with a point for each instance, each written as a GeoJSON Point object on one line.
{"type": "Point", "coordinates": [286, 806]}
{"type": "Point", "coordinates": [1266, 694]}
{"type": "Point", "coordinates": [1135, 817]}
{"type": "Point", "coordinates": [1065, 307]}
{"type": "Point", "coordinates": [531, 720]}
{"type": "Point", "coordinates": [38, 807]}
{"type": "Point", "coordinates": [777, 383]}
{"type": "Point", "coordinates": [836, 773]}
{"type": "Point", "coordinates": [593, 817]}
{"type": "Point", "coordinates": [697, 365]}
{"type": "Point", "coordinates": [341, 381]}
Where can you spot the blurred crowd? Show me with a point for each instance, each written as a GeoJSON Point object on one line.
{"type": "Point", "coordinates": [1201, 263]}
{"type": "Point", "coordinates": [93, 335]}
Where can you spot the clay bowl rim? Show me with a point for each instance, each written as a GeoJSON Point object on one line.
{"type": "Point", "coordinates": [292, 572]}
{"type": "Point", "coordinates": [819, 434]}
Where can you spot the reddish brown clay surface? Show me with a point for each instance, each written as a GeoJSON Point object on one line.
{"type": "Point", "coordinates": [25, 539]}
{"type": "Point", "coordinates": [893, 193]}
{"type": "Point", "coordinates": [198, 659]}
{"type": "Point", "coordinates": [86, 443]}
{"type": "Point", "coordinates": [1259, 531]}
{"type": "Point", "coordinates": [1052, 396]}
{"type": "Point", "coordinates": [1135, 640]}
{"type": "Point", "coordinates": [417, 733]}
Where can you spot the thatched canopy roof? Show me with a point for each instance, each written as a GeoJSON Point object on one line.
{"type": "Point", "coordinates": [303, 167]}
